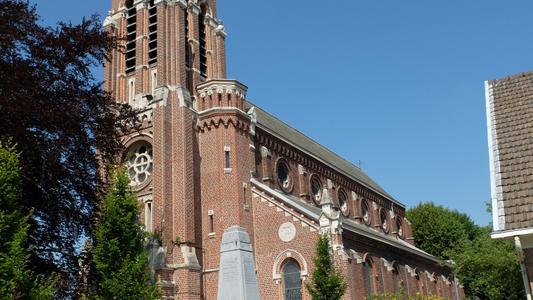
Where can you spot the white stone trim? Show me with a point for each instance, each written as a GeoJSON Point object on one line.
{"type": "Point", "coordinates": [111, 21]}
{"type": "Point", "coordinates": [282, 257]}
{"type": "Point", "coordinates": [411, 271]}
{"type": "Point", "coordinates": [498, 214]}
{"type": "Point", "coordinates": [181, 3]}
{"type": "Point", "coordinates": [287, 210]}
{"type": "Point", "coordinates": [389, 265]}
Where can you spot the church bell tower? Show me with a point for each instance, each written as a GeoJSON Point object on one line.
{"type": "Point", "coordinates": [171, 67]}
{"type": "Point", "coordinates": [167, 46]}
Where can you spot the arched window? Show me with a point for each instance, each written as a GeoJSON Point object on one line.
{"type": "Point", "coordinates": [283, 173]}
{"type": "Point", "coordinates": [384, 220]}
{"type": "Point", "coordinates": [399, 227]}
{"type": "Point", "coordinates": [131, 35]}
{"type": "Point", "coordinates": [292, 283]}
{"type": "Point", "coordinates": [369, 276]}
{"type": "Point", "coordinates": [365, 212]}
{"type": "Point", "coordinates": [316, 189]}
{"type": "Point", "coordinates": [343, 203]}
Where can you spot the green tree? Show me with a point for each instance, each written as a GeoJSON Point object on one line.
{"type": "Point", "coordinates": [119, 251]}
{"type": "Point", "coordinates": [58, 115]}
{"type": "Point", "coordinates": [17, 280]}
{"type": "Point", "coordinates": [438, 230]}
{"type": "Point", "coordinates": [326, 283]}
{"type": "Point", "coordinates": [489, 269]}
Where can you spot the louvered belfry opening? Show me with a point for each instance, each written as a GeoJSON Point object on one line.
{"type": "Point", "coordinates": [131, 36]}
{"type": "Point", "coordinates": [152, 33]}
{"type": "Point", "coordinates": [203, 42]}
{"type": "Point", "coordinates": [188, 64]}
{"type": "Point", "coordinates": [186, 40]}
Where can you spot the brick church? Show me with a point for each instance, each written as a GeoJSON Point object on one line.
{"type": "Point", "coordinates": [206, 159]}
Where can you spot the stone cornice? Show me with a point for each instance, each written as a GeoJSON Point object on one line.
{"type": "Point", "coordinates": [180, 3]}
{"type": "Point", "coordinates": [215, 117]}
{"type": "Point", "coordinates": [222, 86]}
{"type": "Point", "coordinates": [111, 21]}
{"type": "Point", "coordinates": [194, 8]}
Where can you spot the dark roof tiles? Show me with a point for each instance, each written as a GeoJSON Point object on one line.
{"type": "Point", "coordinates": [510, 109]}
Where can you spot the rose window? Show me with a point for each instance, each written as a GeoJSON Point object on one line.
{"type": "Point", "coordinates": [140, 163]}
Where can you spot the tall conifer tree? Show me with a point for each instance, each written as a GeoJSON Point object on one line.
{"type": "Point", "coordinates": [17, 281]}
{"type": "Point", "coordinates": [327, 283]}
{"type": "Point", "coordinates": [119, 252]}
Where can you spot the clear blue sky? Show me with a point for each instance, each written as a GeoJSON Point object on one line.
{"type": "Point", "coordinates": [397, 85]}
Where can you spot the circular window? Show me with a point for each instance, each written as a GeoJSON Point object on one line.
{"type": "Point", "coordinates": [384, 220]}
{"type": "Point", "coordinates": [316, 189]}
{"type": "Point", "coordinates": [284, 176]}
{"type": "Point", "coordinates": [365, 212]}
{"type": "Point", "coordinates": [140, 163]}
{"type": "Point", "coordinates": [399, 227]}
{"type": "Point", "coordinates": [343, 203]}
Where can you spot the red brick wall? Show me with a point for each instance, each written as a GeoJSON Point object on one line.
{"type": "Point", "coordinates": [268, 246]}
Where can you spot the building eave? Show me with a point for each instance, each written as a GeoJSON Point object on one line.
{"type": "Point", "coordinates": [508, 234]}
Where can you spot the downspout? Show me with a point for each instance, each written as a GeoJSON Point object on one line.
{"type": "Point", "coordinates": [518, 245]}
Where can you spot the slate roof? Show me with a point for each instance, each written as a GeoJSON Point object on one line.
{"type": "Point", "coordinates": [293, 137]}
{"type": "Point", "coordinates": [510, 130]}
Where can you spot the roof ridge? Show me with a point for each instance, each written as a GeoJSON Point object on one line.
{"type": "Point", "coordinates": [510, 77]}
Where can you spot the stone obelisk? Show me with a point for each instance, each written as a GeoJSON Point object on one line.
{"type": "Point", "coordinates": [237, 279]}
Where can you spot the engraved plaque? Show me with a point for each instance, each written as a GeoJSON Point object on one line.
{"type": "Point", "coordinates": [287, 232]}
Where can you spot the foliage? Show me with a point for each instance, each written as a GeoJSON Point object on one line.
{"type": "Point", "coordinates": [119, 252]}
{"type": "Point", "coordinates": [489, 269]}
{"type": "Point", "coordinates": [58, 115]}
{"type": "Point", "coordinates": [403, 296]}
{"type": "Point", "coordinates": [17, 280]}
{"type": "Point", "coordinates": [327, 283]}
{"type": "Point", "coordinates": [479, 261]}
{"type": "Point", "coordinates": [438, 230]}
